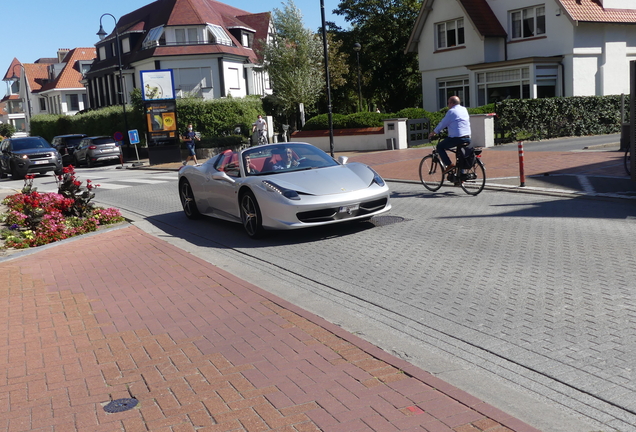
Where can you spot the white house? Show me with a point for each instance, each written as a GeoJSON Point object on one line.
{"type": "Point", "coordinates": [485, 51]}
{"type": "Point", "coordinates": [208, 45]}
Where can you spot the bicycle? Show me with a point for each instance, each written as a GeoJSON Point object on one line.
{"type": "Point", "coordinates": [262, 137]}
{"type": "Point", "coordinates": [471, 179]}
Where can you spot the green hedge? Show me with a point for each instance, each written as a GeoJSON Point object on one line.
{"type": "Point", "coordinates": [214, 119]}
{"type": "Point", "coordinates": [535, 119]}
{"type": "Point", "coordinates": [372, 119]}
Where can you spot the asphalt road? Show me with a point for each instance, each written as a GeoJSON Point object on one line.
{"type": "Point", "coordinates": [525, 301]}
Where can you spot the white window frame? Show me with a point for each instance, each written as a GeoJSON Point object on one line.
{"type": "Point", "coordinates": [219, 35]}
{"type": "Point", "coordinates": [441, 32]}
{"type": "Point", "coordinates": [520, 17]}
{"type": "Point", "coordinates": [153, 36]}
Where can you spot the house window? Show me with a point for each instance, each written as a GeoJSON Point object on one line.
{"type": "Point", "coordinates": [218, 35]}
{"type": "Point", "coordinates": [102, 52]}
{"type": "Point", "coordinates": [453, 87]}
{"type": "Point", "coordinates": [73, 102]}
{"type": "Point", "coordinates": [42, 104]}
{"type": "Point", "coordinates": [527, 23]}
{"type": "Point", "coordinates": [503, 84]}
{"type": "Point", "coordinates": [450, 34]}
{"type": "Point", "coordinates": [186, 36]}
{"type": "Point", "coordinates": [153, 37]}
{"type": "Point", "coordinates": [125, 45]}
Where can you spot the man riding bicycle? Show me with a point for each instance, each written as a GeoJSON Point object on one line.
{"type": "Point", "coordinates": [457, 120]}
{"type": "Point", "coordinates": [261, 125]}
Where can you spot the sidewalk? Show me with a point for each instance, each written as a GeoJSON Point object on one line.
{"type": "Point", "coordinates": [122, 315]}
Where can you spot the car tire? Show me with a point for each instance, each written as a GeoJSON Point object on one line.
{"type": "Point", "coordinates": [89, 162]}
{"type": "Point", "coordinates": [76, 161]}
{"type": "Point", "coordinates": [188, 202]}
{"type": "Point", "coordinates": [59, 172]}
{"type": "Point", "coordinates": [3, 174]}
{"type": "Point", "coordinates": [251, 215]}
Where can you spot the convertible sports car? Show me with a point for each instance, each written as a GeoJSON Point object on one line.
{"type": "Point", "coordinates": [282, 186]}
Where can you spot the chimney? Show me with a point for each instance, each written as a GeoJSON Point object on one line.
{"type": "Point", "coordinates": [61, 53]}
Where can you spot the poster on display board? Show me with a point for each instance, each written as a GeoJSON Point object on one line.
{"type": "Point", "coordinates": [157, 85]}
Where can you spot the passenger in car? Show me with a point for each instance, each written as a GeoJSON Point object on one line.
{"type": "Point", "coordinates": [250, 168]}
{"type": "Point", "coordinates": [287, 160]}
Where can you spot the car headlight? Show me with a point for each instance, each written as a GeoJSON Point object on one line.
{"type": "Point", "coordinates": [376, 177]}
{"type": "Point", "coordinates": [24, 156]}
{"type": "Point", "coordinates": [287, 193]}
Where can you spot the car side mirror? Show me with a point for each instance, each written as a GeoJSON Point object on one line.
{"type": "Point", "coordinates": [343, 160]}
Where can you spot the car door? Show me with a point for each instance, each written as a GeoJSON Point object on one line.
{"type": "Point", "coordinates": [4, 156]}
{"type": "Point", "coordinates": [80, 152]}
{"type": "Point", "coordinates": [220, 184]}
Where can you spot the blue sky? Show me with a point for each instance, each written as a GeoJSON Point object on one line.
{"type": "Point", "coordinates": [39, 27]}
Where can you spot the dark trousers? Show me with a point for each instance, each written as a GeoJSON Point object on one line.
{"type": "Point", "coordinates": [449, 143]}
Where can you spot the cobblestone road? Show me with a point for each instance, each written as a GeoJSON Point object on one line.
{"type": "Point", "coordinates": [534, 289]}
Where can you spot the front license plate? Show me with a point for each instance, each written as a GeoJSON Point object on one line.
{"type": "Point", "coordinates": [39, 162]}
{"type": "Point", "coordinates": [348, 209]}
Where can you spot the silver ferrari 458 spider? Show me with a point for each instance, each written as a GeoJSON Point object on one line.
{"type": "Point", "coordinates": [282, 186]}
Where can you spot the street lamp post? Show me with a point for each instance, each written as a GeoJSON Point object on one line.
{"type": "Point", "coordinates": [26, 91]}
{"type": "Point", "coordinates": [102, 34]}
{"type": "Point", "coordinates": [326, 54]}
{"type": "Point", "coordinates": [357, 47]}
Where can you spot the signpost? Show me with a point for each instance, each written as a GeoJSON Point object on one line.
{"type": "Point", "coordinates": [161, 116]}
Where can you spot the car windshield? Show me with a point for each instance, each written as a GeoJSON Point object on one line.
{"type": "Point", "coordinates": [284, 158]}
{"type": "Point", "coordinates": [73, 142]}
{"type": "Point", "coordinates": [30, 143]}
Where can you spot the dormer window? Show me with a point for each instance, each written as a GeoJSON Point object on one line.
{"type": "Point", "coordinates": [527, 23]}
{"type": "Point", "coordinates": [153, 37]}
{"type": "Point", "coordinates": [450, 34]}
{"type": "Point", "coordinates": [185, 36]}
{"type": "Point", "coordinates": [218, 35]}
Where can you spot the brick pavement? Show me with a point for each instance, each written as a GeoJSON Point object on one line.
{"type": "Point", "coordinates": [122, 314]}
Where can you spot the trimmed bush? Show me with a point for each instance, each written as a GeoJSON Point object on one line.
{"type": "Point", "coordinates": [535, 119]}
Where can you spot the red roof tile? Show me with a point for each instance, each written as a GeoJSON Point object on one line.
{"type": "Point", "coordinates": [483, 17]}
{"type": "Point", "coordinates": [71, 75]}
{"type": "Point", "coordinates": [592, 11]}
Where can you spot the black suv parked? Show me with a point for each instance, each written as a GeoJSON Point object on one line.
{"type": "Point", "coordinates": [66, 145]}
{"type": "Point", "coordinates": [24, 155]}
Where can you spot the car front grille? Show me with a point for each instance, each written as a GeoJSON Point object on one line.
{"type": "Point", "coordinates": [333, 214]}
{"type": "Point", "coordinates": [35, 156]}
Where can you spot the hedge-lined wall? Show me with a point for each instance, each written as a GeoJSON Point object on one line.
{"type": "Point", "coordinates": [216, 119]}
{"type": "Point", "coordinates": [534, 119]}
{"type": "Point", "coordinates": [372, 119]}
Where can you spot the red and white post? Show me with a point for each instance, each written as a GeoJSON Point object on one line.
{"type": "Point", "coordinates": [522, 175]}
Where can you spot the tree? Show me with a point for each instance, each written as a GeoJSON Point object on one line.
{"type": "Point", "coordinates": [6, 130]}
{"type": "Point", "coordinates": [294, 61]}
{"type": "Point", "coordinates": [391, 77]}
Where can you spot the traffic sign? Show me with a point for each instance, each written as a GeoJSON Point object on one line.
{"type": "Point", "coordinates": [133, 136]}
{"type": "Point", "coordinates": [118, 136]}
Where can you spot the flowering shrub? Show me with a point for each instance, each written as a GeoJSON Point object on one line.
{"type": "Point", "coordinates": [36, 219]}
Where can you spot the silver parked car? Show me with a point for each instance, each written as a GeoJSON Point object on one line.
{"type": "Point", "coordinates": [282, 186]}
{"type": "Point", "coordinates": [92, 150]}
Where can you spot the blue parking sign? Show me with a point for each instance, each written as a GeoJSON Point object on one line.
{"type": "Point", "coordinates": [133, 136]}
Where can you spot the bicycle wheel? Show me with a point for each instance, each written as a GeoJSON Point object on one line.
{"type": "Point", "coordinates": [474, 180]}
{"type": "Point", "coordinates": [431, 173]}
{"type": "Point", "coordinates": [628, 162]}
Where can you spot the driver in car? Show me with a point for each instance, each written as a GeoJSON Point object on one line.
{"type": "Point", "coordinates": [287, 160]}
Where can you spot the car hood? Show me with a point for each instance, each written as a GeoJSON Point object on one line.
{"type": "Point", "coordinates": [35, 151]}
{"type": "Point", "coordinates": [326, 181]}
